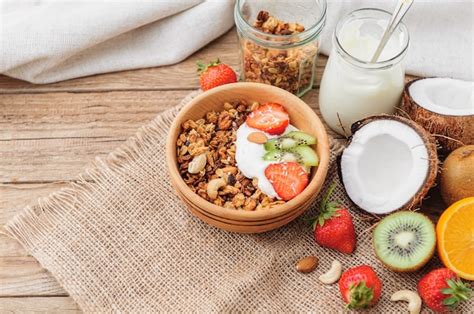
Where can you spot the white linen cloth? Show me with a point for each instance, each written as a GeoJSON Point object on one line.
{"type": "Point", "coordinates": [45, 41]}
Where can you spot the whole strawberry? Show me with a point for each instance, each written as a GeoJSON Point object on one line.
{"type": "Point", "coordinates": [360, 287]}
{"type": "Point", "coordinates": [333, 227]}
{"type": "Point", "coordinates": [442, 290]}
{"type": "Point", "coordinates": [215, 74]}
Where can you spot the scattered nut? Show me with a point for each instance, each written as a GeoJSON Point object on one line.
{"type": "Point", "coordinates": [197, 164]}
{"type": "Point", "coordinates": [333, 274]}
{"type": "Point", "coordinates": [413, 299]}
{"type": "Point", "coordinates": [307, 264]}
{"type": "Point", "coordinates": [213, 187]}
{"type": "Point", "coordinates": [257, 138]}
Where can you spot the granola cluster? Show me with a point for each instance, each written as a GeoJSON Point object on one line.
{"type": "Point", "coordinates": [290, 69]}
{"type": "Point", "coordinates": [206, 160]}
{"type": "Point", "coordinates": [271, 25]}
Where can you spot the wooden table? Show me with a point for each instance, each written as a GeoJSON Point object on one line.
{"type": "Point", "coordinates": [48, 133]}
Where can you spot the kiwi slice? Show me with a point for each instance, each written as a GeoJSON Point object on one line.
{"type": "Point", "coordinates": [290, 140]}
{"type": "Point", "coordinates": [304, 155]}
{"type": "Point", "coordinates": [404, 241]}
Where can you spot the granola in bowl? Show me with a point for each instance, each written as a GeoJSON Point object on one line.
{"type": "Point", "coordinates": [225, 157]}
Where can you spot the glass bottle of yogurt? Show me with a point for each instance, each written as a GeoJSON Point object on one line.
{"type": "Point", "coordinates": [352, 87]}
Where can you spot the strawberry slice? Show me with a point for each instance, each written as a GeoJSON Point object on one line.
{"type": "Point", "coordinates": [288, 179]}
{"type": "Point", "coordinates": [269, 117]}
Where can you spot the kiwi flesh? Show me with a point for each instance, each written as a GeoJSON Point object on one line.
{"type": "Point", "coordinates": [290, 140]}
{"type": "Point", "coordinates": [304, 155]}
{"type": "Point", "coordinates": [404, 241]}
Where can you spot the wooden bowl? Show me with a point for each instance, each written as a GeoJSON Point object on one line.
{"type": "Point", "coordinates": [301, 116]}
{"type": "Point", "coordinates": [246, 227]}
{"type": "Point", "coordinates": [241, 228]}
{"type": "Point", "coordinates": [243, 222]}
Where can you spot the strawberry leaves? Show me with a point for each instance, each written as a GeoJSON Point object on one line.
{"type": "Point", "coordinates": [327, 209]}
{"type": "Point", "coordinates": [201, 67]}
{"type": "Point", "coordinates": [360, 295]}
{"type": "Point", "coordinates": [458, 291]}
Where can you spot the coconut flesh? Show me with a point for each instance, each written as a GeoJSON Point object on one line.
{"type": "Point", "coordinates": [444, 107]}
{"type": "Point", "coordinates": [388, 164]}
{"type": "Point", "coordinates": [444, 96]}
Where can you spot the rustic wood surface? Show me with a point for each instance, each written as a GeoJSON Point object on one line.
{"type": "Point", "coordinates": [48, 133]}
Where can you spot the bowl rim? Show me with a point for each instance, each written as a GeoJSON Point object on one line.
{"type": "Point", "coordinates": [310, 191]}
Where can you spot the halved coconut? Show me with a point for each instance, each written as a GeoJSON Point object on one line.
{"type": "Point", "coordinates": [389, 164]}
{"type": "Point", "coordinates": [443, 106]}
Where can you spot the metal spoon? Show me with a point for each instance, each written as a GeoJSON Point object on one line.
{"type": "Point", "coordinates": [402, 8]}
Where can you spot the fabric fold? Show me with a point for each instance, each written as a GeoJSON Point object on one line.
{"type": "Point", "coordinates": [50, 41]}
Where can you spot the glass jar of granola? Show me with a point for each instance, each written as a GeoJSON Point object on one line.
{"type": "Point", "coordinates": [279, 41]}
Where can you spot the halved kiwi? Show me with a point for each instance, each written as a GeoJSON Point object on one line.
{"type": "Point", "coordinates": [304, 155]}
{"type": "Point", "coordinates": [404, 241]}
{"type": "Point", "coordinates": [290, 140]}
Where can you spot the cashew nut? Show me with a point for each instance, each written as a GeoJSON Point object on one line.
{"type": "Point", "coordinates": [333, 274]}
{"type": "Point", "coordinates": [413, 299]}
{"type": "Point", "coordinates": [213, 187]}
{"type": "Point", "coordinates": [197, 164]}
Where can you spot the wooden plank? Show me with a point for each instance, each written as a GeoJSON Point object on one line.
{"type": "Point", "coordinates": [37, 135]}
{"type": "Point", "coordinates": [111, 115]}
{"type": "Point", "coordinates": [37, 305]}
{"type": "Point", "coordinates": [10, 247]}
{"type": "Point", "coordinates": [179, 76]}
{"type": "Point", "coordinates": [50, 159]}
{"type": "Point", "coordinates": [24, 276]}
{"type": "Point", "coordinates": [14, 197]}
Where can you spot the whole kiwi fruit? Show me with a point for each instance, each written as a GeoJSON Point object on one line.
{"type": "Point", "coordinates": [457, 175]}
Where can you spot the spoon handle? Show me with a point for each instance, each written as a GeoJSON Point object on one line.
{"type": "Point", "coordinates": [402, 8]}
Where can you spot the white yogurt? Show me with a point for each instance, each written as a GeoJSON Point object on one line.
{"type": "Point", "coordinates": [249, 158]}
{"type": "Point", "coordinates": [352, 91]}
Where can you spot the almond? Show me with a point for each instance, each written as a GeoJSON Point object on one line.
{"type": "Point", "coordinates": [307, 264]}
{"type": "Point", "coordinates": [257, 138]}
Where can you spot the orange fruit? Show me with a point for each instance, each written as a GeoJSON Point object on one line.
{"type": "Point", "coordinates": [455, 235]}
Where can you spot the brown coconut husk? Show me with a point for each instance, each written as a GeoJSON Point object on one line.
{"type": "Point", "coordinates": [451, 131]}
{"type": "Point", "coordinates": [430, 143]}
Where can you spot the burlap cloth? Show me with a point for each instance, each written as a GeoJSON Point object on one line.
{"type": "Point", "coordinates": [119, 240]}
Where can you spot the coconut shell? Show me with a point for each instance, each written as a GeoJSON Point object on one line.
{"type": "Point", "coordinates": [451, 131]}
{"type": "Point", "coordinates": [430, 143]}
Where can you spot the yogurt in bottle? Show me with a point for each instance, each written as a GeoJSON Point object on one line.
{"type": "Point", "coordinates": [352, 87]}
